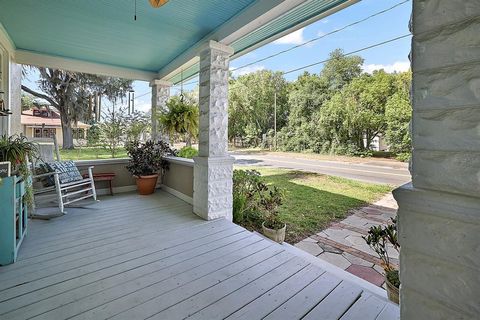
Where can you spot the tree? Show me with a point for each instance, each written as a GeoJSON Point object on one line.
{"type": "Point", "coordinates": [251, 103]}
{"type": "Point", "coordinates": [113, 130]}
{"type": "Point", "coordinates": [93, 135]}
{"type": "Point", "coordinates": [356, 114]}
{"type": "Point", "coordinates": [182, 117]}
{"type": "Point", "coordinates": [71, 92]}
{"type": "Point", "coordinates": [341, 69]}
{"type": "Point", "coordinates": [27, 102]}
{"type": "Point", "coordinates": [137, 123]}
{"type": "Point", "coordinates": [398, 114]}
{"type": "Point", "coordinates": [308, 95]}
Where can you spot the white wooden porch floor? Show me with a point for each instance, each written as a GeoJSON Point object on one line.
{"type": "Point", "coordinates": [133, 257]}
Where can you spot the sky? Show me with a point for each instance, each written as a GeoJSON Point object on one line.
{"type": "Point", "coordinates": [390, 57]}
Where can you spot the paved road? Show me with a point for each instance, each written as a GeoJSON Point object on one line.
{"type": "Point", "coordinates": [385, 172]}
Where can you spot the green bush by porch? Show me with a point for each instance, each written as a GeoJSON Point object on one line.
{"type": "Point", "coordinates": [312, 201]}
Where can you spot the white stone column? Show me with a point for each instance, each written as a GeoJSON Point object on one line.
{"type": "Point", "coordinates": [212, 191]}
{"type": "Point", "coordinates": [160, 95]}
{"type": "Point", "coordinates": [439, 214]}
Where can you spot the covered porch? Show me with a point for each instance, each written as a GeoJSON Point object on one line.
{"type": "Point", "coordinates": [204, 265]}
{"type": "Point", "coordinates": [139, 257]}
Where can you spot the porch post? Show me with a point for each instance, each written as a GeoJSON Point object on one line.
{"type": "Point", "coordinates": [160, 95]}
{"type": "Point", "coordinates": [212, 191]}
{"type": "Point", "coordinates": [439, 214]}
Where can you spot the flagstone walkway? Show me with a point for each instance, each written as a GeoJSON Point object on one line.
{"type": "Point", "coordinates": [342, 244]}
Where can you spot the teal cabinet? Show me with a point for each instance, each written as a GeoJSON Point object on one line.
{"type": "Point", "coordinates": [13, 218]}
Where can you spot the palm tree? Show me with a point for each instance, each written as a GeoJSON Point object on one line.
{"type": "Point", "coordinates": [181, 118]}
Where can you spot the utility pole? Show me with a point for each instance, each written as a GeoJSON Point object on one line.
{"type": "Point", "coordinates": [131, 101]}
{"type": "Point", "coordinates": [275, 120]}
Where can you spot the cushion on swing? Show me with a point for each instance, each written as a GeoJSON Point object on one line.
{"type": "Point", "coordinates": [67, 171]}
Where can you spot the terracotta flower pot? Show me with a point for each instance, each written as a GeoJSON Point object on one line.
{"type": "Point", "coordinates": [277, 235]}
{"type": "Point", "coordinates": [146, 184]}
{"type": "Point", "coordinates": [392, 291]}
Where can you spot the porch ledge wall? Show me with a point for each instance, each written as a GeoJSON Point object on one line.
{"type": "Point", "coordinates": [178, 180]}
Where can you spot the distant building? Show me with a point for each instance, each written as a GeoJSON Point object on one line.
{"type": "Point", "coordinates": [378, 143]}
{"type": "Point", "coordinates": [43, 122]}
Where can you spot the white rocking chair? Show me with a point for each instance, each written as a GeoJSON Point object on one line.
{"type": "Point", "coordinates": [63, 182]}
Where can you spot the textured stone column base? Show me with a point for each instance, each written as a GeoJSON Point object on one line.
{"type": "Point", "coordinates": [439, 234]}
{"type": "Point", "coordinates": [212, 188]}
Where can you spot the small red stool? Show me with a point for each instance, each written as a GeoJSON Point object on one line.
{"type": "Point", "coordinates": [107, 176]}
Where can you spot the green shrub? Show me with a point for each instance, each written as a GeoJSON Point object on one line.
{"type": "Point", "coordinates": [253, 201]}
{"type": "Point", "coordinates": [187, 152]}
{"type": "Point", "coordinates": [404, 156]}
{"type": "Point", "coordinates": [393, 277]}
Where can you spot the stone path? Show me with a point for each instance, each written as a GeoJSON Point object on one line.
{"type": "Point", "coordinates": [342, 243]}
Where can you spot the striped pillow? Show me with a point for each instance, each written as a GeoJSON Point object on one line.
{"type": "Point", "coordinates": [67, 171]}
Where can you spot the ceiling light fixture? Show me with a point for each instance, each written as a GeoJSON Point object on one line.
{"type": "Point", "coordinates": [157, 3]}
{"type": "Point", "coordinates": [153, 3]}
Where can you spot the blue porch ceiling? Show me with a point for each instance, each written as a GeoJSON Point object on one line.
{"type": "Point", "coordinates": [103, 31]}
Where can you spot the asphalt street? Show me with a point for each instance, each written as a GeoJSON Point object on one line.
{"type": "Point", "coordinates": [380, 171]}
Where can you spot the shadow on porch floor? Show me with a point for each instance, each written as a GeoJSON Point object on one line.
{"type": "Point", "coordinates": [137, 257]}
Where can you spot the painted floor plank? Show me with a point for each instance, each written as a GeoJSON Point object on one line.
{"type": "Point", "coordinates": [171, 285]}
{"type": "Point", "coordinates": [76, 259]}
{"type": "Point", "coordinates": [71, 260]}
{"type": "Point", "coordinates": [246, 284]}
{"type": "Point", "coordinates": [88, 297]}
{"type": "Point", "coordinates": [136, 228]}
{"type": "Point", "coordinates": [58, 283]}
{"type": "Point", "coordinates": [132, 257]}
{"type": "Point", "coordinates": [251, 267]}
{"type": "Point", "coordinates": [98, 230]}
{"type": "Point", "coordinates": [336, 303]}
{"type": "Point", "coordinates": [263, 305]}
{"type": "Point", "coordinates": [390, 312]}
{"type": "Point", "coordinates": [367, 307]}
{"type": "Point", "coordinates": [97, 245]}
{"type": "Point", "coordinates": [305, 300]}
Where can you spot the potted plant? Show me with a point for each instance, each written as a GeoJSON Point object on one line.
{"type": "Point", "coordinates": [378, 238]}
{"type": "Point", "coordinates": [18, 150]}
{"type": "Point", "coordinates": [146, 161]}
{"type": "Point", "coordinates": [273, 227]}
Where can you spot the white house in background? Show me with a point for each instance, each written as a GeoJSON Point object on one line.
{"type": "Point", "coordinates": [42, 122]}
{"type": "Point", "coordinates": [378, 143]}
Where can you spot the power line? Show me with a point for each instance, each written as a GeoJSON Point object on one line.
{"type": "Point", "coordinates": [326, 60]}
{"type": "Point", "coordinates": [316, 39]}
{"type": "Point", "coordinates": [350, 53]}
{"type": "Point", "coordinates": [323, 36]}
{"type": "Point", "coordinates": [142, 95]}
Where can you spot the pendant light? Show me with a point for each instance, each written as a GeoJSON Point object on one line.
{"type": "Point", "coordinates": [157, 3]}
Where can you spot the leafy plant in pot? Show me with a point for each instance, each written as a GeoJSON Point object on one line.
{"type": "Point", "coordinates": [18, 150]}
{"type": "Point", "coordinates": [273, 227]}
{"type": "Point", "coordinates": [378, 238]}
{"type": "Point", "coordinates": [146, 162]}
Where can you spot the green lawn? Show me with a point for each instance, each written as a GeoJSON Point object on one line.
{"type": "Point", "coordinates": [90, 153]}
{"type": "Point", "coordinates": [313, 200]}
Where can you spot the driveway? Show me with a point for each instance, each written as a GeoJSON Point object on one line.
{"type": "Point", "coordinates": [369, 170]}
